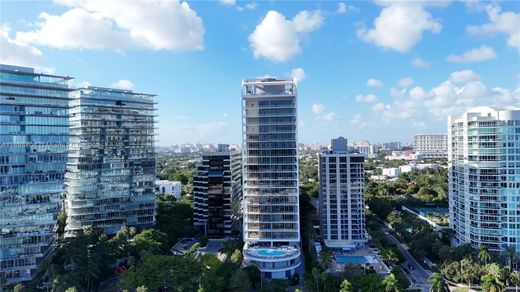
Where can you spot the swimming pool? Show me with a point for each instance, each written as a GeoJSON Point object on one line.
{"type": "Point", "coordinates": [351, 259]}
{"type": "Point", "coordinates": [271, 252]}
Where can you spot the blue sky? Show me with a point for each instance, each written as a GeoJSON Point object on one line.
{"type": "Point", "coordinates": [380, 71]}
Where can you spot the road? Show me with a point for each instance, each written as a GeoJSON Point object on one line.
{"type": "Point", "coordinates": [418, 272]}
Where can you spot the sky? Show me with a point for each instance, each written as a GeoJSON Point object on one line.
{"type": "Point", "coordinates": [378, 71]}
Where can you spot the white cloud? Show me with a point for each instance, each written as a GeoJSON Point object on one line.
{"type": "Point", "coordinates": [400, 26]}
{"type": "Point", "coordinates": [16, 52]}
{"type": "Point", "coordinates": [123, 84]}
{"type": "Point", "coordinates": [405, 82]}
{"type": "Point", "coordinates": [506, 22]}
{"type": "Point", "coordinates": [357, 119]}
{"type": "Point", "coordinates": [420, 63]}
{"type": "Point", "coordinates": [378, 107]}
{"type": "Point", "coordinates": [251, 5]}
{"type": "Point", "coordinates": [374, 82]}
{"type": "Point", "coordinates": [480, 54]}
{"type": "Point", "coordinates": [307, 21]}
{"type": "Point", "coordinates": [447, 98]}
{"type": "Point", "coordinates": [418, 93]}
{"type": "Point", "coordinates": [366, 98]}
{"type": "Point", "coordinates": [298, 74]}
{"type": "Point", "coordinates": [329, 116]}
{"type": "Point", "coordinates": [342, 8]}
{"type": "Point", "coordinates": [227, 2]}
{"type": "Point", "coordinates": [278, 39]}
{"type": "Point", "coordinates": [464, 76]}
{"type": "Point", "coordinates": [96, 24]}
{"type": "Point", "coordinates": [318, 108]}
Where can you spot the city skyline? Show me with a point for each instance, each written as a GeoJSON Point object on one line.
{"type": "Point", "coordinates": [344, 56]}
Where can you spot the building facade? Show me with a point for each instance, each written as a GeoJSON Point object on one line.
{"type": "Point", "coordinates": [431, 145]}
{"type": "Point", "coordinates": [167, 187]}
{"type": "Point", "coordinates": [217, 193]}
{"type": "Point", "coordinates": [484, 177]}
{"type": "Point", "coordinates": [270, 172]}
{"type": "Point", "coordinates": [342, 204]}
{"type": "Point", "coordinates": [33, 154]}
{"type": "Point", "coordinates": [111, 163]}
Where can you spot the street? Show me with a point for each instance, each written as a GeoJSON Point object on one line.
{"type": "Point", "coordinates": [417, 272]}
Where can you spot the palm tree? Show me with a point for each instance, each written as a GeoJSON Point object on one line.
{"type": "Point", "coordinates": [346, 286]}
{"type": "Point", "coordinates": [489, 284]}
{"type": "Point", "coordinates": [510, 253]}
{"type": "Point", "coordinates": [316, 275]}
{"type": "Point", "coordinates": [483, 253]}
{"type": "Point", "coordinates": [390, 283]}
{"type": "Point", "coordinates": [437, 283]}
{"type": "Point", "coordinates": [326, 259]}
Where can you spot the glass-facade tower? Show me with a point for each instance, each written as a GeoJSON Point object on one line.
{"type": "Point", "coordinates": [33, 155]}
{"type": "Point", "coordinates": [484, 177]}
{"type": "Point", "coordinates": [111, 163]}
{"type": "Point", "coordinates": [217, 193]}
{"type": "Point", "coordinates": [270, 172]}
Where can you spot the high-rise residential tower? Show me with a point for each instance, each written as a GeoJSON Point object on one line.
{"type": "Point", "coordinates": [270, 172]}
{"type": "Point", "coordinates": [111, 164]}
{"type": "Point", "coordinates": [342, 205]}
{"type": "Point", "coordinates": [217, 193]}
{"type": "Point", "coordinates": [484, 177]}
{"type": "Point", "coordinates": [33, 154]}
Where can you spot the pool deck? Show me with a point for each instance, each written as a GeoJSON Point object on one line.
{"type": "Point", "coordinates": [369, 254]}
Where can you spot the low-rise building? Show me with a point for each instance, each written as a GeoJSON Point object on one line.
{"type": "Point", "coordinates": [391, 172]}
{"type": "Point", "coordinates": [167, 187]}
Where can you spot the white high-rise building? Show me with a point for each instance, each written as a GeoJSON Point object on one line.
{"type": "Point", "coordinates": [342, 204]}
{"type": "Point", "coordinates": [270, 176]}
{"type": "Point", "coordinates": [431, 145]}
{"type": "Point", "coordinates": [484, 177]}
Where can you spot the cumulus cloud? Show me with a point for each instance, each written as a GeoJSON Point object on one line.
{"type": "Point", "coordinates": [318, 108]}
{"type": "Point", "coordinates": [482, 53]}
{"type": "Point", "coordinates": [448, 98]}
{"type": "Point", "coordinates": [420, 63]}
{"type": "Point", "coordinates": [123, 84]}
{"type": "Point", "coordinates": [400, 26]}
{"type": "Point", "coordinates": [342, 8]}
{"type": "Point", "coordinates": [405, 82]}
{"type": "Point", "coordinates": [298, 74]}
{"type": "Point", "coordinates": [278, 39]}
{"type": "Point", "coordinates": [374, 82]}
{"type": "Point", "coordinates": [464, 76]}
{"type": "Point", "coordinates": [378, 107]}
{"type": "Point", "coordinates": [319, 112]}
{"type": "Point", "coordinates": [357, 119]}
{"type": "Point", "coordinates": [507, 23]}
{"type": "Point", "coordinates": [16, 52]}
{"type": "Point", "coordinates": [366, 98]}
{"type": "Point", "coordinates": [119, 24]}
{"type": "Point", "coordinates": [227, 2]}
{"type": "Point", "coordinates": [329, 116]}
{"type": "Point", "coordinates": [251, 5]}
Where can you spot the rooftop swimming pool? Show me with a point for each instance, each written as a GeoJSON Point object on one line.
{"type": "Point", "coordinates": [351, 259]}
{"type": "Point", "coordinates": [271, 252]}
